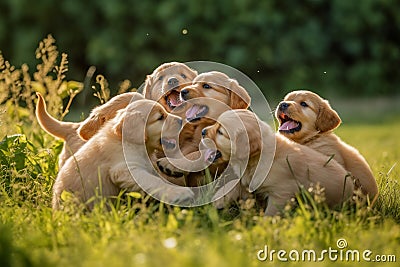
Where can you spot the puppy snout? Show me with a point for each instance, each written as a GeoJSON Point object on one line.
{"type": "Point", "coordinates": [203, 132]}
{"type": "Point", "coordinates": [173, 82]}
{"type": "Point", "coordinates": [185, 94]}
{"type": "Point", "coordinates": [283, 106]}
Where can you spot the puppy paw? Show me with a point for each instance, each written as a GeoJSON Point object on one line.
{"type": "Point", "coordinates": [166, 167]}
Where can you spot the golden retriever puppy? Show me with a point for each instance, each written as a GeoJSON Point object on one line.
{"type": "Point", "coordinates": [160, 85]}
{"type": "Point", "coordinates": [308, 119]}
{"type": "Point", "coordinates": [75, 134]}
{"type": "Point", "coordinates": [215, 85]}
{"type": "Point", "coordinates": [157, 87]}
{"type": "Point", "coordinates": [209, 95]}
{"type": "Point", "coordinates": [99, 166]}
{"type": "Point", "coordinates": [239, 135]}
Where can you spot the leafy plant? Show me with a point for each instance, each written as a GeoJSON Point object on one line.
{"type": "Point", "coordinates": [328, 46]}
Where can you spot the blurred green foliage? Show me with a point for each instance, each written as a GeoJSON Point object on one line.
{"type": "Point", "coordinates": [338, 47]}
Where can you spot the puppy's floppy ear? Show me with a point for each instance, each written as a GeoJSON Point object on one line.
{"type": "Point", "coordinates": [239, 98]}
{"type": "Point", "coordinates": [194, 72]}
{"type": "Point", "coordinates": [117, 128]}
{"type": "Point", "coordinates": [327, 118]}
{"type": "Point", "coordinates": [105, 112]}
{"type": "Point", "coordinates": [255, 141]}
{"type": "Point", "coordinates": [132, 125]}
{"type": "Point", "coordinates": [266, 150]}
{"type": "Point", "coordinates": [249, 142]}
{"type": "Point", "coordinates": [243, 145]}
{"type": "Point", "coordinates": [90, 126]}
{"type": "Point", "coordinates": [147, 87]}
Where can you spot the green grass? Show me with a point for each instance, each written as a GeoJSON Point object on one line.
{"type": "Point", "coordinates": [142, 232]}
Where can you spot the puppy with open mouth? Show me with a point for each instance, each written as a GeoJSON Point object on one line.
{"type": "Point", "coordinates": [162, 86]}
{"type": "Point", "coordinates": [307, 119]}
{"type": "Point", "coordinates": [165, 83]}
{"type": "Point", "coordinates": [217, 86]}
{"type": "Point", "coordinates": [292, 165]}
{"type": "Point", "coordinates": [209, 95]}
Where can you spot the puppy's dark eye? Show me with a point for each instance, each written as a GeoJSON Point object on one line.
{"type": "Point", "coordinates": [161, 117]}
{"type": "Point", "coordinates": [303, 104]}
{"type": "Point", "coordinates": [183, 76]}
{"type": "Point", "coordinates": [160, 78]}
{"type": "Point", "coordinates": [206, 86]}
{"type": "Point", "coordinates": [219, 131]}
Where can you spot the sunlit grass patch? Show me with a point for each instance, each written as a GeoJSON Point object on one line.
{"type": "Point", "coordinates": [138, 231]}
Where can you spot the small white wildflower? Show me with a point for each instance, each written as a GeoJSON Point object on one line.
{"type": "Point", "coordinates": [140, 258]}
{"type": "Point", "coordinates": [170, 242]}
{"type": "Point", "coordinates": [238, 237]}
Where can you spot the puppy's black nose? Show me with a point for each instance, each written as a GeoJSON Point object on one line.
{"type": "Point", "coordinates": [283, 106]}
{"type": "Point", "coordinates": [204, 132]}
{"type": "Point", "coordinates": [184, 94]}
{"type": "Point", "coordinates": [173, 82]}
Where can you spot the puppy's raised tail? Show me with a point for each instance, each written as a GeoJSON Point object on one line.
{"type": "Point", "coordinates": [51, 125]}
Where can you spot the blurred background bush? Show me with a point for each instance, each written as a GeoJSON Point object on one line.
{"type": "Point", "coordinates": [338, 47]}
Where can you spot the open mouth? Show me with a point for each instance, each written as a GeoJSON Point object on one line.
{"type": "Point", "coordinates": [196, 112]}
{"type": "Point", "coordinates": [212, 155]}
{"type": "Point", "coordinates": [288, 125]}
{"type": "Point", "coordinates": [173, 99]}
{"type": "Point", "coordinates": [168, 143]}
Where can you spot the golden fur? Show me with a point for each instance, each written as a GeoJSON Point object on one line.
{"type": "Point", "coordinates": [315, 121]}
{"type": "Point", "coordinates": [217, 85]}
{"type": "Point", "coordinates": [75, 134]}
{"type": "Point", "coordinates": [293, 165]}
{"type": "Point", "coordinates": [101, 114]}
{"type": "Point", "coordinates": [66, 131]}
{"type": "Point", "coordinates": [99, 165]}
{"type": "Point", "coordinates": [209, 95]}
{"type": "Point", "coordinates": [159, 86]}
{"type": "Point", "coordinates": [223, 90]}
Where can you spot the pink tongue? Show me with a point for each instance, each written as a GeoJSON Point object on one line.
{"type": "Point", "coordinates": [175, 100]}
{"type": "Point", "coordinates": [191, 113]}
{"type": "Point", "coordinates": [288, 125]}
